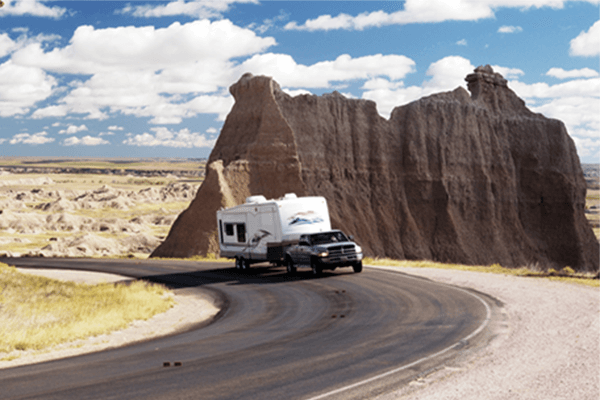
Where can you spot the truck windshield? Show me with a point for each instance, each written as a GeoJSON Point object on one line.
{"type": "Point", "coordinates": [328, 237]}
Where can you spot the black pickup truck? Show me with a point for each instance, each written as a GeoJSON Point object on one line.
{"type": "Point", "coordinates": [324, 250]}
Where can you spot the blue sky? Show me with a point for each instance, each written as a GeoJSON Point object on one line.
{"type": "Point", "coordinates": [151, 78]}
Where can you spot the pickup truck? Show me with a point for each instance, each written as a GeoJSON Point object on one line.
{"type": "Point", "coordinates": [324, 251]}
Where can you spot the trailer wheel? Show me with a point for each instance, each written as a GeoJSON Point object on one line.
{"type": "Point", "coordinates": [316, 268]}
{"type": "Point", "coordinates": [291, 269]}
{"type": "Point", "coordinates": [244, 263]}
{"type": "Point", "coordinates": [237, 263]}
{"type": "Point", "coordinates": [357, 267]}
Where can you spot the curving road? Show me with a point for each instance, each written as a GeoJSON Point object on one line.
{"type": "Point", "coordinates": [340, 336]}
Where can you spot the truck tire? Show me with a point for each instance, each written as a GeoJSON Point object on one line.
{"type": "Point", "coordinates": [315, 267]}
{"type": "Point", "coordinates": [289, 264]}
{"type": "Point", "coordinates": [357, 267]}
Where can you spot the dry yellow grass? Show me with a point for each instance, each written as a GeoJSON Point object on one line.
{"type": "Point", "coordinates": [38, 312]}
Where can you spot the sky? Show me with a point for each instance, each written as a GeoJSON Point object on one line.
{"type": "Point", "coordinates": [151, 78]}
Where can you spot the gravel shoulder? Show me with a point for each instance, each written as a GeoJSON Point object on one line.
{"type": "Point", "coordinates": [550, 349]}
{"type": "Point", "coordinates": [189, 309]}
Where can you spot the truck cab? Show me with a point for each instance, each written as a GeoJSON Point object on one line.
{"type": "Point", "coordinates": [324, 251]}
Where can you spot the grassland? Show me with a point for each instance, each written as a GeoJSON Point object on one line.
{"type": "Point", "coordinates": [38, 312]}
{"type": "Point", "coordinates": [592, 207]}
{"type": "Point", "coordinates": [104, 163]}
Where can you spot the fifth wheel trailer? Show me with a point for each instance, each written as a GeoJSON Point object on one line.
{"type": "Point", "coordinates": [260, 230]}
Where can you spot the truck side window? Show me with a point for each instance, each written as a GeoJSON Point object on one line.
{"type": "Point", "coordinates": [229, 229]}
{"type": "Point", "coordinates": [241, 233]}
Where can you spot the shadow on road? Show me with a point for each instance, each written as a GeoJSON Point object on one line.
{"type": "Point", "coordinates": [187, 274]}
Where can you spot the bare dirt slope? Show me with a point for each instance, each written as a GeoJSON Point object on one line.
{"type": "Point", "coordinates": [58, 216]}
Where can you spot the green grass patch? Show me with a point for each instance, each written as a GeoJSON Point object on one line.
{"type": "Point", "coordinates": [567, 274]}
{"type": "Point", "coordinates": [38, 312]}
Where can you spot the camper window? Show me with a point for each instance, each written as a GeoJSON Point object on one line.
{"type": "Point", "coordinates": [229, 229]}
{"type": "Point", "coordinates": [241, 233]}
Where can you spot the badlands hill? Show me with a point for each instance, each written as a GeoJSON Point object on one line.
{"type": "Point", "coordinates": [455, 177]}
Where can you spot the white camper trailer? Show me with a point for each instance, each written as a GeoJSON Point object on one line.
{"type": "Point", "coordinates": [260, 229]}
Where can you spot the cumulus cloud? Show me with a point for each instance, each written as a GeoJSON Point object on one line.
{"type": "Point", "coordinates": [574, 73]}
{"type": "Point", "coordinates": [462, 42]}
{"type": "Point", "coordinates": [420, 11]}
{"type": "Point", "coordinates": [73, 129]}
{"type": "Point", "coordinates": [147, 71]}
{"type": "Point", "coordinates": [164, 137]}
{"type": "Point", "coordinates": [575, 102]}
{"type": "Point", "coordinates": [196, 8]}
{"type": "Point", "coordinates": [36, 8]}
{"type": "Point", "coordinates": [84, 141]}
{"type": "Point", "coordinates": [7, 45]}
{"type": "Point", "coordinates": [587, 44]}
{"type": "Point", "coordinates": [288, 73]}
{"type": "Point", "coordinates": [508, 73]}
{"type": "Point", "coordinates": [115, 128]}
{"type": "Point", "coordinates": [21, 87]}
{"type": "Point", "coordinates": [34, 139]}
{"type": "Point", "coordinates": [510, 29]}
{"type": "Point", "coordinates": [445, 74]}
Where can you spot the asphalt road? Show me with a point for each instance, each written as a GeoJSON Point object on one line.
{"type": "Point", "coordinates": [339, 336]}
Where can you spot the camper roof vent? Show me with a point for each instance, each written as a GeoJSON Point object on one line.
{"type": "Point", "coordinates": [289, 196]}
{"type": "Point", "coordinates": [255, 199]}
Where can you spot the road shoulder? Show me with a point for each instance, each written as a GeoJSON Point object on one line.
{"type": "Point", "coordinates": [549, 348]}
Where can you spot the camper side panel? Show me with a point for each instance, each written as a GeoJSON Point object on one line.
{"type": "Point", "coordinates": [232, 232]}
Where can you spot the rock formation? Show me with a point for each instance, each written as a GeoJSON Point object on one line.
{"type": "Point", "coordinates": [452, 177]}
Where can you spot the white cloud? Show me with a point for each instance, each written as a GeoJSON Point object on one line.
{"type": "Point", "coordinates": [142, 71]}
{"type": "Point", "coordinates": [270, 23]}
{"type": "Point", "coordinates": [462, 42]}
{"type": "Point", "coordinates": [284, 69]}
{"type": "Point", "coordinates": [164, 137]}
{"type": "Point", "coordinates": [575, 102]}
{"type": "Point", "coordinates": [587, 44]}
{"type": "Point", "coordinates": [446, 74]}
{"type": "Point", "coordinates": [295, 92]}
{"type": "Point", "coordinates": [421, 11]}
{"type": "Point", "coordinates": [176, 48]}
{"type": "Point", "coordinates": [84, 141]}
{"type": "Point", "coordinates": [198, 8]}
{"type": "Point", "coordinates": [508, 73]}
{"type": "Point", "coordinates": [35, 8]}
{"type": "Point", "coordinates": [21, 87]}
{"type": "Point", "coordinates": [510, 29]}
{"type": "Point", "coordinates": [7, 45]}
{"type": "Point", "coordinates": [574, 73]}
{"type": "Point", "coordinates": [35, 139]}
{"type": "Point", "coordinates": [73, 129]}
{"type": "Point", "coordinates": [115, 128]}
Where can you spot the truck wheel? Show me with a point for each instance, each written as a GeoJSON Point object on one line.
{"type": "Point", "coordinates": [316, 268]}
{"type": "Point", "coordinates": [357, 267]}
{"type": "Point", "coordinates": [291, 269]}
